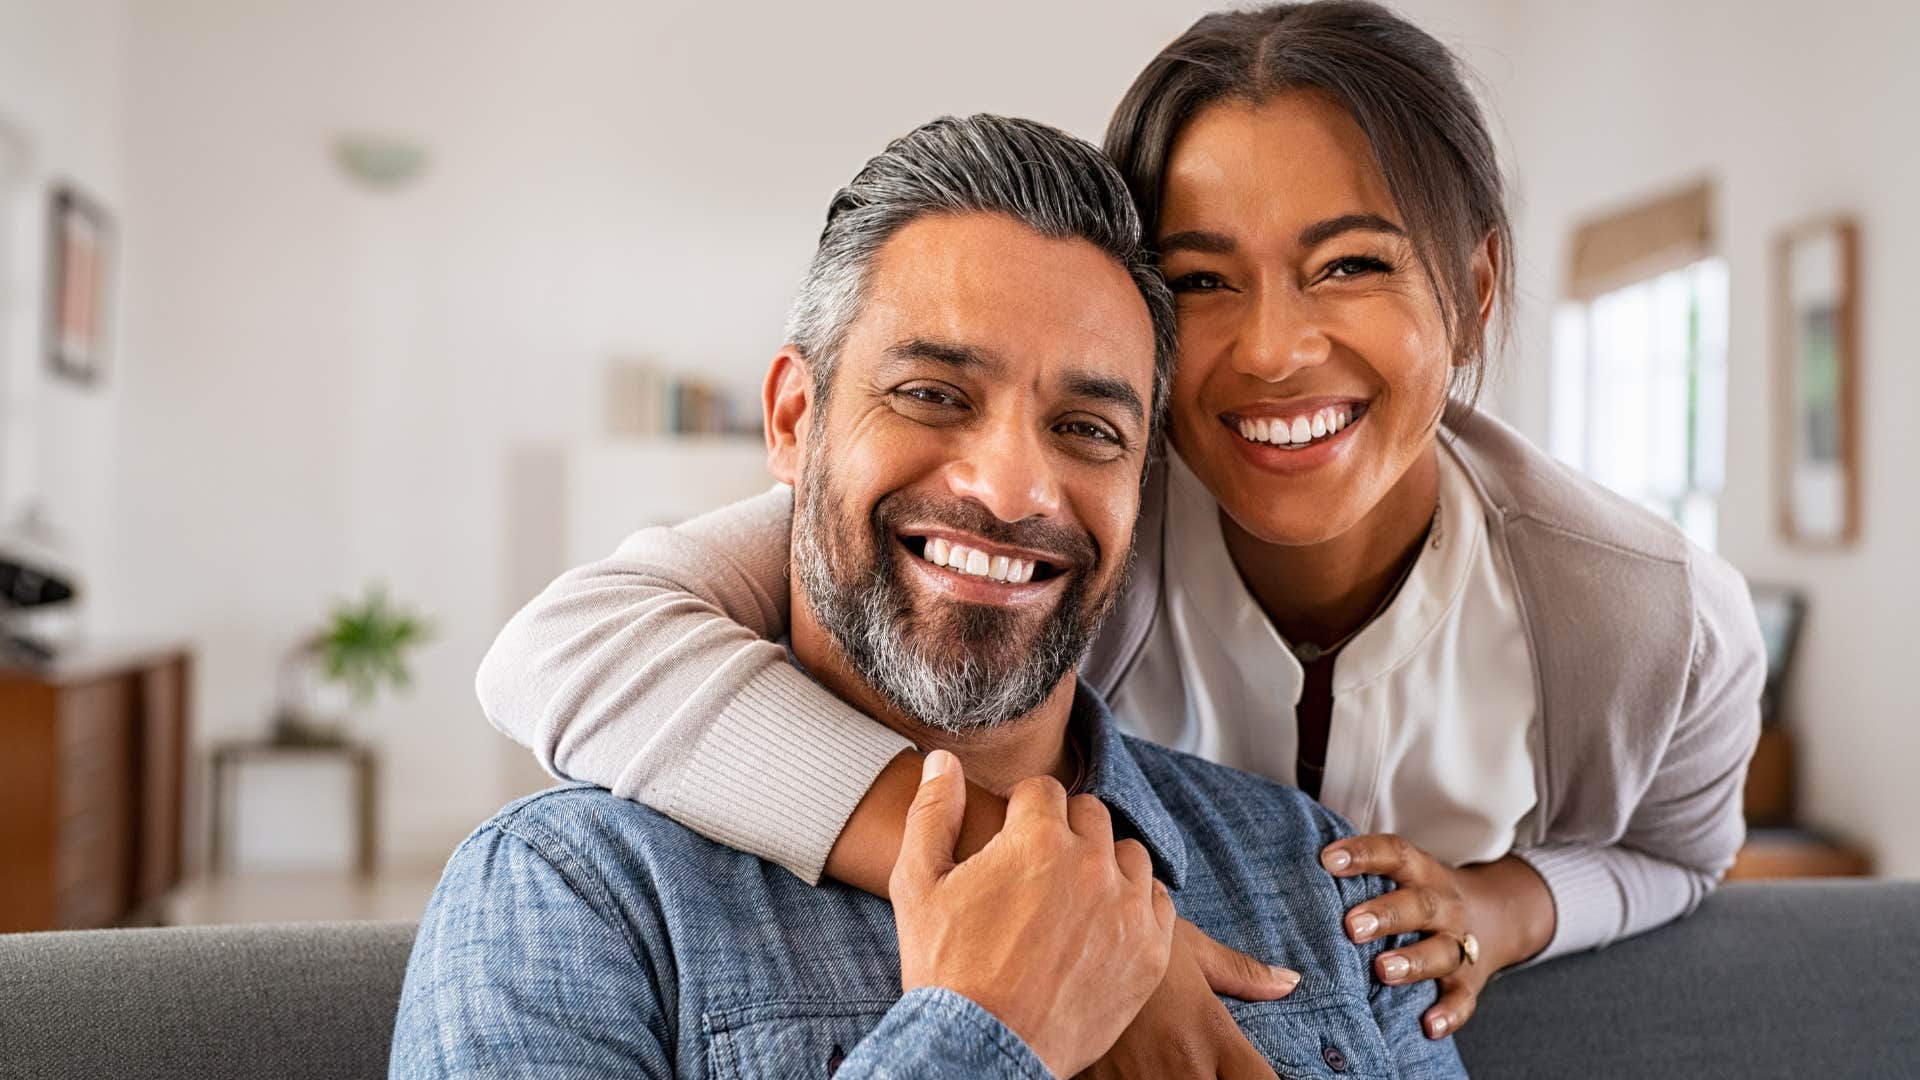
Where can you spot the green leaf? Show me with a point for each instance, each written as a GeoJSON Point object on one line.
{"type": "Point", "coordinates": [364, 645]}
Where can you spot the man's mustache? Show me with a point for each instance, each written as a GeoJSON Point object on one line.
{"type": "Point", "coordinates": [1075, 546]}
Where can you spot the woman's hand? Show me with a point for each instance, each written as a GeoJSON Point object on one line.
{"type": "Point", "coordinates": [1183, 1031]}
{"type": "Point", "coordinates": [1504, 904]}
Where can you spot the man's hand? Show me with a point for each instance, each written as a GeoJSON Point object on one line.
{"type": "Point", "coordinates": [1184, 1032]}
{"type": "Point", "coordinates": [1505, 904]}
{"type": "Point", "coordinates": [1052, 927]}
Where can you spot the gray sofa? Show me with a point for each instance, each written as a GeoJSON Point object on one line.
{"type": "Point", "coordinates": [1791, 979]}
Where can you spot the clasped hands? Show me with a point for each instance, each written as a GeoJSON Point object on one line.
{"type": "Point", "coordinates": [1066, 937]}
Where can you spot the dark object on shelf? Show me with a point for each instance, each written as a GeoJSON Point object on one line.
{"type": "Point", "coordinates": [1781, 610]}
{"type": "Point", "coordinates": [92, 757]}
{"type": "Point", "coordinates": [22, 586]}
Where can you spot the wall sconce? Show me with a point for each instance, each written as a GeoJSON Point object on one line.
{"type": "Point", "coordinates": [383, 162]}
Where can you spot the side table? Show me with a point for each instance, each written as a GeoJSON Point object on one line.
{"type": "Point", "coordinates": [360, 758]}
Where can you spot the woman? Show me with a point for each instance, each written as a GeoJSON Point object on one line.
{"type": "Point", "coordinates": [1536, 699]}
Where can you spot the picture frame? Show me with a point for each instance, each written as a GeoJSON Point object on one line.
{"type": "Point", "coordinates": [79, 261]}
{"type": "Point", "coordinates": [1817, 375]}
{"type": "Point", "coordinates": [1781, 611]}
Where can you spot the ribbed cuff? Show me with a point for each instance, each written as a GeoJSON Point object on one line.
{"type": "Point", "coordinates": [781, 770]}
{"type": "Point", "coordinates": [1589, 908]}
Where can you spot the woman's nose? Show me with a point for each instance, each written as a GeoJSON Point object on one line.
{"type": "Point", "coordinates": [1279, 337]}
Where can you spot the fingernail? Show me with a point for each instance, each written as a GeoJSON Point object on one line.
{"type": "Point", "coordinates": [937, 762]}
{"type": "Point", "coordinates": [1364, 925]}
{"type": "Point", "coordinates": [1394, 967]}
{"type": "Point", "coordinates": [1286, 977]}
{"type": "Point", "coordinates": [1438, 1027]}
{"type": "Point", "coordinates": [1336, 860]}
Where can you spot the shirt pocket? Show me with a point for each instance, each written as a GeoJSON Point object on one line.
{"type": "Point", "coordinates": [1333, 1037]}
{"type": "Point", "coordinates": [802, 1039]}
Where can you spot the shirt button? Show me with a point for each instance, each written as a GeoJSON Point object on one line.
{"type": "Point", "coordinates": [1335, 1060]}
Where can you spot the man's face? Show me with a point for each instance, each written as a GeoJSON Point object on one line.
{"type": "Point", "coordinates": [967, 492]}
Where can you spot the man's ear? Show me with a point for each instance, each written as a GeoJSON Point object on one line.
{"type": "Point", "coordinates": [787, 401]}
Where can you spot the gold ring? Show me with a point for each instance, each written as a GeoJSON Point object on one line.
{"type": "Point", "coordinates": [1469, 949]}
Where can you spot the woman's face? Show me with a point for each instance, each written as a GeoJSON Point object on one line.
{"type": "Point", "coordinates": [1314, 359]}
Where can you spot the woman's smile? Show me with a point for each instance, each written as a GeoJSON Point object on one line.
{"type": "Point", "coordinates": [1297, 437]}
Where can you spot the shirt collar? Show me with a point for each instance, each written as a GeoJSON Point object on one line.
{"type": "Point", "coordinates": [1114, 777]}
{"type": "Point", "coordinates": [1201, 567]}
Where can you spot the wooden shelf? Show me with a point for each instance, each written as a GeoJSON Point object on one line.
{"type": "Point", "coordinates": [1796, 853]}
{"type": "Point", "coordinates": [92, 760]}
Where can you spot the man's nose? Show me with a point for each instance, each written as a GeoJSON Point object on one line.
{"type": "Point", "coordinates": [1007, 469]}
{"type": "Point", "coordinates": [1280, 335]}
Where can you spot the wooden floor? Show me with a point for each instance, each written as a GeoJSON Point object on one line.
{"type": "Point", "coordinates": [300, 897]}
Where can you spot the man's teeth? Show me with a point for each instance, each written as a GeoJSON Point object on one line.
{"type": "Point", "coordinates": [1301, 429]}
{"type": "Point", "coordinates": [978, 563]}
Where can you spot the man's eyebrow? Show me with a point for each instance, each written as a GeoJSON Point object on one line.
{"type": "Point", "coordinates": [1107, 388]}
{"type": "Point", "coordinates": [1199, 241]}
{"type": "Point", "coordinates": [1320, 232]}
{"type": "Point", "coordinates": [950, 353]}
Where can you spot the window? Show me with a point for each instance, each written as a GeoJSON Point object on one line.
{"type": "Point", "coordinates": [1639, 392]}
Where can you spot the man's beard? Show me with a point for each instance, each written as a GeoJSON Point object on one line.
{"type": "Point", "coordinates": [960, 668]}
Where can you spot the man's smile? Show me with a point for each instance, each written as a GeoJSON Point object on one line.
{"type": "Point", "coordinates": [979, 571]}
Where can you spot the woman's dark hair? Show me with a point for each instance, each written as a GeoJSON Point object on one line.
{"type": "Point", "coordinates": [1404, 89]}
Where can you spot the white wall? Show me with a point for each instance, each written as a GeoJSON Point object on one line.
{"type": "Point", "coordinates": [1794, 112]}
{"type": "Point", "coordinates": [62, 95]}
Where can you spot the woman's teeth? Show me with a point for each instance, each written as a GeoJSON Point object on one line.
{"type": "Point", "coordinates": [977, 563]}
{"type": "Point", "coordinates": [1299, 430]}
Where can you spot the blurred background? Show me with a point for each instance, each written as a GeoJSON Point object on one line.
{"type": "Point", "coordinates": [316, 320]}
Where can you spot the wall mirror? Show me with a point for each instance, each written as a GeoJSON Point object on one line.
{"type": "Point", "coordinates": [1817, 358]}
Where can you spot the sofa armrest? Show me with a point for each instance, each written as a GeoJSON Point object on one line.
{"type": "Point", "coordinates": [294, 1000]}
{"type": "Point", "coordinates": [1813, 978]}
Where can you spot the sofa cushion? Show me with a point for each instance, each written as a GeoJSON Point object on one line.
{"type": "Point", "coordinates": [1773, 979]}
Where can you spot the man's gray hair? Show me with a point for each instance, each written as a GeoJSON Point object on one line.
{"type": "Point", "coordinates": [1055, 184]}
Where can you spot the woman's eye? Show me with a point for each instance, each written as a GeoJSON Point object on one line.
{"type": "Point", "coordinates": [1198, 281]}
{"type": "Point", "coordinates": [1356, 265]}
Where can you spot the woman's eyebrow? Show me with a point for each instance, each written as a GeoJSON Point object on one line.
{"type": "Point", "coordinates": [1322, 231]}
{"type": "Point", "coordinates": [1199, 241]}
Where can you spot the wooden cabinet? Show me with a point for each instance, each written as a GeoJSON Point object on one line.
{"type": "Point", "coordinates": [92, 761]}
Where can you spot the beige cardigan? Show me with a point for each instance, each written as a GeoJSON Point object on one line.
{"type": "Point", "coordinates": [653, 673]}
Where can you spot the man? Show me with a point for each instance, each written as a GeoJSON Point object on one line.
{"type": "Point", "coordinates": [981, 353]}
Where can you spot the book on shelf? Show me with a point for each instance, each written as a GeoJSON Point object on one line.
{"type": "Point", "coordinates": [643, 400]}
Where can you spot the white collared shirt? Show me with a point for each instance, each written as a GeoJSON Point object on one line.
{"type": "Point", "coordinates": [1433, 729]}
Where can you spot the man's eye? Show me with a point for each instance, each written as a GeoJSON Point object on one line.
{"type": "Point", "coordinates": [1356, 265]}
{"type": "Point", "coordinates": [1087, 429]}
{"type": "Point", "coordinates": [928, 395]}
{"type": "Point", "coordinates": [1198, 281]}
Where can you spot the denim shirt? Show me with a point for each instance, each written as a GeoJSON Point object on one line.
{"type": "Point", "coordinates": [578, 934]}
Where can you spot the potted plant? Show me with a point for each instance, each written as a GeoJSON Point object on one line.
{"type": "Point", "coordinates": [343, 667]}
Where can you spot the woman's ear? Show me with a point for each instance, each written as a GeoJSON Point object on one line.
{"type": "Point", "coordinates": [1486, 284]}
{"type": "Point", "coordinates": [787, 400]}
{"type": "Point", "coordinates": [1486, 276]}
